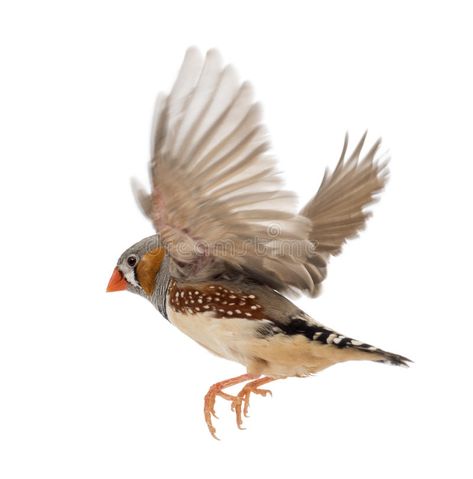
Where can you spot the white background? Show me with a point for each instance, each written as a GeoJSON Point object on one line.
{"type": "Point", "coordinates": [100, 386]}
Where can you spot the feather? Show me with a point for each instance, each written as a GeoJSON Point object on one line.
{"type": "Point", "coordinates": [338, 210]}
{"type": "Point", "coordinates": [217, 200]}
{"type": "Point", "coordinates": [213, 182]}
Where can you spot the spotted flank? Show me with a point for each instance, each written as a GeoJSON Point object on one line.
{"type": "Point", "coordinates": [223, 302]}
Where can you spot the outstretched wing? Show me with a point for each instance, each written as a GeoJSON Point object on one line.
{"type": "Point", "coordinates": [337, 211]}
{"type": "Point", "coordinates": [216, 198]}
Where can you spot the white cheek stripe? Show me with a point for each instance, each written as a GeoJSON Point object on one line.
{"type": "Point", "coordinates": [130, 277]}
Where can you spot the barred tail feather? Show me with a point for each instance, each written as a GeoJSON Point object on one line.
{"type": "Point", "coordinates": [303, 324]}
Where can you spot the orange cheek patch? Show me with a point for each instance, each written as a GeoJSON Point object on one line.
{"type": "Point", "coordinates": [148, 268]}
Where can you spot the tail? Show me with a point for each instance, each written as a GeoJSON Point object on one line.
{"type": "Point", "coordinates": [381, 356]}
{"type": "Point", "coordinates": [348, 347]}
{"type": "Point", "coordinates": [394, 359]}
{"type": "Point", "coordinates": [369, 352]}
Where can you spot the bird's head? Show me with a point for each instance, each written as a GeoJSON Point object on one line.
{"type": "Point", "coordinates": [137, 267]}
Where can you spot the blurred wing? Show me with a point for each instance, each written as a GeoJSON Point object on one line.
{"type": "Point", "coordinates": [216, 198]}
{"type": "Point", "coordinates": [337, 212]}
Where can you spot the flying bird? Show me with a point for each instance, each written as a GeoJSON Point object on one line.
{"type": "Point", "coordinates": [230, 245]}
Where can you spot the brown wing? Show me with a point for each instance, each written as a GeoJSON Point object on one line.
{"type": "Point", "coordinates": [216, 197]}
{"type": "Point", "coordinates": [338, 210]}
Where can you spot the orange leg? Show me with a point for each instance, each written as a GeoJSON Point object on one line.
{"type": "Point", "coordinates": [216, 390]}
{"type": "Point", "coordinates": [243, 397]}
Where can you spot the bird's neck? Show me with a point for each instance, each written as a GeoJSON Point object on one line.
{"type": "Point", "coordinates": [163, 278]}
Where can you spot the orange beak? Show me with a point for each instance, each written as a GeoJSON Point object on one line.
{"type": "Point", "coordinates": [117, 282]}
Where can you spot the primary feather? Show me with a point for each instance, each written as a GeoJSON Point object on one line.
{"type": "Point", "coordinates": [338, 210]}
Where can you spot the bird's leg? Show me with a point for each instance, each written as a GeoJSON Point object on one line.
{"type": "Point", "coordinates": [217, 390]}
{"type": "Point", "coordinates": [243, 397]}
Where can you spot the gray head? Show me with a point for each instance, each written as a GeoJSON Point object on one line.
{"type": "Point", "coordinates": [138, 267]}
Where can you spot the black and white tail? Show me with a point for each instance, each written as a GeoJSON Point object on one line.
{"type": "Point", "coordinates": [394, 359]}
{"type": "Point", "coordinates": [315, 331]}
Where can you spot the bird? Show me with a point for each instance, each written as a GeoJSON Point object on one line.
{"type": "Point", "coordinates": [230, 249]}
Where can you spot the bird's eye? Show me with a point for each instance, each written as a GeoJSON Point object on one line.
{"type": "Point", "coordinates": [131, 261]}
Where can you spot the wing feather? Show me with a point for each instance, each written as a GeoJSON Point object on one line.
{"type": "Point", "coordinates": [338, 210]}
{"type": "Point", "coordinates": [217, 200]}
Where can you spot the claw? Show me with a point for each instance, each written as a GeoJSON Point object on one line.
{"type": "Point", "coordinates": [216, 390]}
{"type": "Point", "coordinates": [238, 402]}
{"type": "Point", "coordinates": [243, 397]}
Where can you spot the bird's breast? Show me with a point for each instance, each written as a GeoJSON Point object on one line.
{"type": "Point", "coordinates": [221, 319]}
{"type": "Point", "coordinates": [226, 337]}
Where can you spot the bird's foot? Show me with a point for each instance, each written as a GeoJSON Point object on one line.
{"type": "Point", "coordinates": [217, 390]}
{"type": "Point", "coordinates": [243, 398]}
